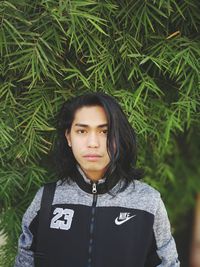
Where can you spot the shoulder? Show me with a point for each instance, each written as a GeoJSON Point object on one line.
{"type": "Point", "coordinates": [145, 189]}
{"type": "Point", "coordinates": [35, 205]}
{"type": "Point", "coordinates": [33, 208]}
{"type": "Point", "coordinates": [142, 196]}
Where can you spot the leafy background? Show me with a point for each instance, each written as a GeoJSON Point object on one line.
{"type": "Point", "coordinates": [144, 53]}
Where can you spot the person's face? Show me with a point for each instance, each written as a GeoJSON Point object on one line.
{"type": "Point", "coordinates": [88, 138]}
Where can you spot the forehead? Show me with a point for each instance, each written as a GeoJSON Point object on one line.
{"type": "Point", "coordinates": [90, 115]}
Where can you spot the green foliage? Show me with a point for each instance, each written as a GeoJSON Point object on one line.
{"type": "Point", "coordinates": [143, 52]}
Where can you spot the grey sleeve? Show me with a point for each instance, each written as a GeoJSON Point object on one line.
{"type": "Point", "coordinates": [24, 257]}
{"type": "Point", "coordinates": [166, 247]}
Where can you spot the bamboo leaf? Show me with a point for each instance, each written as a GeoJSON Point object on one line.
{"type": "Point", "coordinates": [97, 27]}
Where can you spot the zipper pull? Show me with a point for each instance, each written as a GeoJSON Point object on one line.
{"type": "Point", "coordinates": [94, 188]}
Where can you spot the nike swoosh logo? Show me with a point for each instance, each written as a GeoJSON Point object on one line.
{"type": "Point", "coordinates": [117, 222]}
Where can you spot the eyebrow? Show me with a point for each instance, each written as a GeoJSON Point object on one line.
{"type": "Point", "coordinates": [86, 125]}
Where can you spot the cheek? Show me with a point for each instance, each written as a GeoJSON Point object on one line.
{"type": "Point", "coordinates": [77, 144]}
{"type": "Point", "coordinates": [76, 151]}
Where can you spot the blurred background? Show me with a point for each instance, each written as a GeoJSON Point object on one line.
{"type": "Point", "coordinates": [145, 53]}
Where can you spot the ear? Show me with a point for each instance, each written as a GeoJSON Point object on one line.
{"type": "Point", "coordinates": [68, 137]}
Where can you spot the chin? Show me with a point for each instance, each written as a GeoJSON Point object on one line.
{"type": "Point", "coordinates": [92, 168]}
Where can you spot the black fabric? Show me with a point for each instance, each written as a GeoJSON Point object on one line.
{"type": "Point", "coordinates": [152, 258]}
{"type": "Point", "coordinates": [129, 241]}
{"type": "Point", "coordinates": [42, 232]}
{"type": "Point", "coordinates": [129, 244]}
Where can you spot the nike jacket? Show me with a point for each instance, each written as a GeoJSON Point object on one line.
{"type": "Point", "coordinates": [90, 227]}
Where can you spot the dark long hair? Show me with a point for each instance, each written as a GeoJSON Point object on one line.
{"type": "Point", "coordinates": [122, 152]}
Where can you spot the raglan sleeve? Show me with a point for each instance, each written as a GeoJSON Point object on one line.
{"type": "Point", "coordinates": [166, 247]}
{"type": "Point", "coordinates": [25, 253]}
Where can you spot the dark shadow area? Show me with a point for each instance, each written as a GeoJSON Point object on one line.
{"type": "Point", "coordinates": [183, 239]}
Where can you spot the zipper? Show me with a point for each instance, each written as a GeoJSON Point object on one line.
{"type": "Point", "coordinates": [92, 223]}
{"type": "Point", "coordinates": [94, 188]}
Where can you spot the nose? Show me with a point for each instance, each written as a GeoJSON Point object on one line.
{"type": "Point", "coordinates": [93, 140]}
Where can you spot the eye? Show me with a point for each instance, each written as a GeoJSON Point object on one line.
{"type": "Point", "coordinates": [81, 131]}
{"type": "Point", "coordinates": [104, 131]}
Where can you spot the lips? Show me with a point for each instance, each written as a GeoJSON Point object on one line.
{"type": "Point", "coordinates": [92, 157]}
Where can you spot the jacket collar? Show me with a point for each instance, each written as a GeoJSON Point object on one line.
{"type": "Point", "coordinates": [87, 185]}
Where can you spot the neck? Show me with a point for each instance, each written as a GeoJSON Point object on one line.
{"type": "Point", "coordinates": [93, 176]}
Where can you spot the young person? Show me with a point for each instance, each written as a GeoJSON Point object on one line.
{"type": "Point", "coordinates": [101, 215]}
